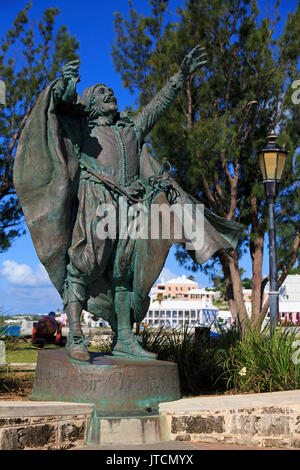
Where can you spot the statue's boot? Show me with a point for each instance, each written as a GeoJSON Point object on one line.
{"type": "Point", "coordinates": [125, 343]}
{"type": "Point", "coordinates": [76, 347]}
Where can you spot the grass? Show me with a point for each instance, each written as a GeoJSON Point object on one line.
{"type": "Point", "coordinates": [15, 385]}
{"type": "Point", "coordinates": [20, 350]}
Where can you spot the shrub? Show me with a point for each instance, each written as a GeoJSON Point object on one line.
{"type": "Point", "coordinates": [260, 363]}
{"type": "Point", "coordinates": [196, 359]}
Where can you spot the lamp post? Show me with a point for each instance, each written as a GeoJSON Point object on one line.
{"type": "Point", "coordinates": [272, 159]}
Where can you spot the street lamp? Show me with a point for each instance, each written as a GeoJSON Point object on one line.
{"type": "Point", "coordinates": [272, 159]}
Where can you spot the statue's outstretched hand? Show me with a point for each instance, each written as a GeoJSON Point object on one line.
{"type": "Point", "coordinates": [70, 78]}
{"type": "Point", "coordinates": [193, 61]}
{"type": "Point", "coordinates": [70, 71]}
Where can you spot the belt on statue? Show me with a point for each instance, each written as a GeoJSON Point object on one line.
{"type": "Point", "coordinates": [161, 183]}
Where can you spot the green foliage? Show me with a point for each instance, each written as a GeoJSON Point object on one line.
{"type": "Point", "coordinates": [229, 363]}
{"type": "Point", "coordinates": [31, 56]}
{"type": "Point", "coordinates": [212, 133]}
{"type": "Point", "coordinates": [261, 364]}
{"type": "Point", "coordinates": [196, 360]}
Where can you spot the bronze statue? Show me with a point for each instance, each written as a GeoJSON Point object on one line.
{"type": "Point", "coordinates": [78, 154]}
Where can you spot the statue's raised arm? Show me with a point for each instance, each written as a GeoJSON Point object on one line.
{"type": "Point", "coordinates": [65, 88]}
{"type": "Point", "coordinates": [145, 120]}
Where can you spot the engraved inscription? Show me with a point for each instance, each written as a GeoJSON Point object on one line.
{"type": "Point", "coordinates": [66, 380]}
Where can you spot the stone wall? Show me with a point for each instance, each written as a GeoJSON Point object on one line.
{"type": "Point", "coordinates": [45, 426]}
{"type": "Point", "coordinates": [2, 353]}
{"type": "Point", "coordinates": [262, 426]}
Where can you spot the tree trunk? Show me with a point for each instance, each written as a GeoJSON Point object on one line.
{"type": "Point", "coordinates": [228, 284]}
{"type": "Point", "coordinates": [232, 276]}
{"type": "Point", "coordinates": [257, 251]}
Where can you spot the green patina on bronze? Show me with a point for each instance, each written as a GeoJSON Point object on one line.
{"type": "Point", "coordinates": [76, 154]}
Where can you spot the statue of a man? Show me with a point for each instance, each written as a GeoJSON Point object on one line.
{"type": "Point", "coordinates": [76, 155]}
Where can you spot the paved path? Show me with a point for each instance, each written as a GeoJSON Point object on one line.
{"type": "Point", "coordinates": [173, 446]}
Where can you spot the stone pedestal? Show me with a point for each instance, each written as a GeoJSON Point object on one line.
{"type": "Point", "coordinates": [117, 387]}
{"type": "Point", "coordinates": [2, 353]}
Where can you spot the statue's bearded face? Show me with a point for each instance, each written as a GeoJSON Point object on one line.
{"type": "Point", "coordinates": [105, 101]}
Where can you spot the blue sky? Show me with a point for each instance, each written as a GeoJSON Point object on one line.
{"type": "Point", "coordinates": [24, 285]}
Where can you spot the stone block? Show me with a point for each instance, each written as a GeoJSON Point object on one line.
{"type": "Point", "coordinates": [14, 421]}
{"type": "Point", "coordinates": [262, 425]}
{"type": "Point", "coordinates": [198, 424]}
{"type": "Point", "coordinates": [295, 443]}
{"type": "Point", "coordinates": [29, 437]}
{"type": "Point", "coordinates": [141, 430]}
{"type": "Point", "coordinates": [72, 432]}
{"type": "Point", "coordinates": [272, 425]}
{"type": "Point", "coordinates": [297, 425]}
{"type": "Point", "coordinates": [277, 443]}
{"type": "Point", "coordinates": [183, 437]}
{"type": "Point", "coordinates": [275, 410]}
{"type": "Point", "coordinates": [242, 424]}
{"type": "Point", "coordinates": [2, 353]}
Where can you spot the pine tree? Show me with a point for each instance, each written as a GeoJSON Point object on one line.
{"type": "Point", "coordinates": [212, 133]}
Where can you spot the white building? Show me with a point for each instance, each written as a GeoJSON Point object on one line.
{"type": "Point", "coordinates": [173, 313]}
{"type": "Point", "coordinates": [90, 320]}
{"type": "Point", "coordinates": [290, 289]}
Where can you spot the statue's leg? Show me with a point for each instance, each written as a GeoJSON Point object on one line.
{"type": "Point", "coordinates": [74, 298]}
{"type": "Point", "coordinates": [125, 343]}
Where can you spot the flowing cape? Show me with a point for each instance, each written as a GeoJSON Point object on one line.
{"type": "Point", "coordinates": [46, 175]}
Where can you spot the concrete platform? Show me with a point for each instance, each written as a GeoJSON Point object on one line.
{"type": "Point", "coordinates": [21, 366]}
{"type": "Point", "coordinates": [189, 447]}
{"type": "Point", "coordinates": [230, 422]}
{"type": "Point", "coordinates": [43, 425]}
{"type": "Point", "coordinates": [263, 420]}
{"type": "Point", "coordinates": [225, 402]}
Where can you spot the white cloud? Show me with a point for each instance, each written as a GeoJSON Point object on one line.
{"type": "Point", "coordinates": [23, 275]}
{"type": "Point", "coordinates": [27, 290]}
{"type": "Point", "coordinates": [17, 299]}
{"type": "Point", "coordinates": [166, 274]}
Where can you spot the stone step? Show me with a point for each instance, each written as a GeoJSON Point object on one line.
{"type": "Point", "coordinates": [128, 431]}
